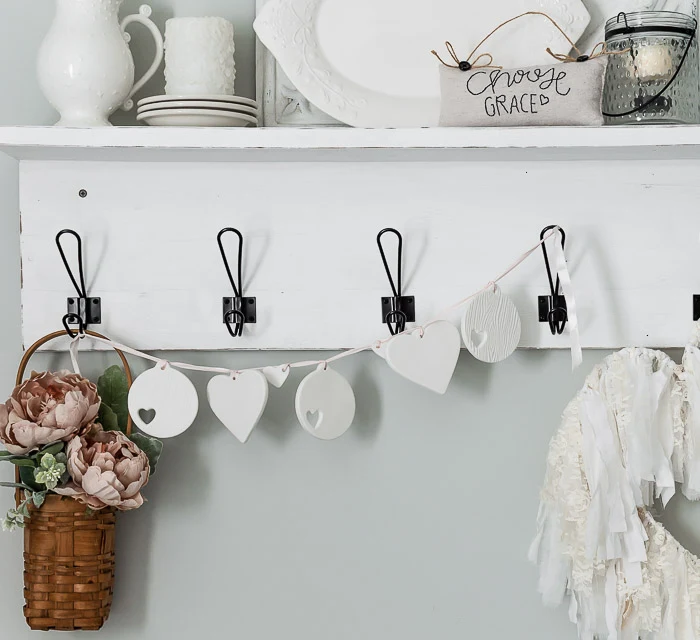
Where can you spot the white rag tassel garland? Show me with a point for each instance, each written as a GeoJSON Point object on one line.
{"type": "Point", "coordinates": [625, 440]}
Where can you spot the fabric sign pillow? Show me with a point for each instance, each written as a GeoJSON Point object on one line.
{"type": "Point", "coordinates": [560, 94]}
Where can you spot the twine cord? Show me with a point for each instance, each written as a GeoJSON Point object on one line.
{"type": "Point", "coordinates": [467, 65]}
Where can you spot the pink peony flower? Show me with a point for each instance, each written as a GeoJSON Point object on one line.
{"type": "Point", "coordinates": [47, 408]}
{"type": "Point", "coordinates": [107, 470]}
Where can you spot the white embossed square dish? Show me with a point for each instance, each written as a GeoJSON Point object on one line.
{"type": "Point", "coordinates": [281, 103]}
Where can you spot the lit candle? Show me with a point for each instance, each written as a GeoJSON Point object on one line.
{"type": "Point", "coordinates": [653, 62]}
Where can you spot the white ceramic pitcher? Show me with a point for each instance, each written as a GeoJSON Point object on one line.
{"type": "Point", "coordinates": [85, 67]}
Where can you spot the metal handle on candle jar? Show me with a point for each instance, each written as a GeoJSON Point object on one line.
{"type": "Point", "coordinates": [628, 30]}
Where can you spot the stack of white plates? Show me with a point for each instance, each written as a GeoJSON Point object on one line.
{"type": "Point", "coordinates": [198, 111]}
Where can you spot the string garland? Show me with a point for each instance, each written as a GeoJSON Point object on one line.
{"type": "Point", "coordinates": [377, 345]}
{"type": "Point", "coordinates": [325, 402]}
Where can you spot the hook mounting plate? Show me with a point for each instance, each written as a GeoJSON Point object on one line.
{"type": "Point", "coordinates": [247, 306]}
{"type": "Point", "coordinates": [696, 308]}
{"type": "Point", "coordinates": [546, 304]}
{"type": "Point", "coordinates": [89, 309]}
{"type": "Point", "coordinates": [406, 304]}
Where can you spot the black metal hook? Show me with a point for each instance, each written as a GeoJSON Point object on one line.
{"type": "Point", "coordinates": [78, 320]}
{"type": "Point", "coordinates": [81, 310]}
{"type": "Point", "coordinates": [225, 259]}
{"type": "Point", "coordinates": [80, 289]}
{"type": "Point", "coordinates": [399, 309]}
{"type": "Point", "coordinates": [237, 330]}
{"type": "Point", "coordinates": [396, 289]}
{"type": "Point", "coordinates": [552, 308]}
{"type": "Point", "coordinates": [242, 309]}
{"type": "Point", "coordinates": [622, 13]}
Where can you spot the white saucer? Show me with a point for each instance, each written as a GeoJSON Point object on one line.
{"type": "Point", "coordinates": [230, 99]}
{"type": "Point", "coordinates": [196, 118]}
{"type": "Point", "coordinates": [197, 104]}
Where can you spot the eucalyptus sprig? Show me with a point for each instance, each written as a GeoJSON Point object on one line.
{"type": "Point", "coordinates": [31, 472]}
{"type": "Point", "coordinates": [16, 518]}
{"type": "Point", "coordinates": [39, 473]}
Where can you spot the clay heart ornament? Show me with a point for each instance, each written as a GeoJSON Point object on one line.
{"type": "Point", "coordinates": [325, 404]}
{"type": "Point", "coordinates": [430, 360]}
{"type": "Point", "coordinates": [239, 401]}
{"type": "Point", "coordinates": [168, 396]}
{"type": "Point", "coordinates": [491, 326]}
{"type": "Point", "coordinates": [277, 376]}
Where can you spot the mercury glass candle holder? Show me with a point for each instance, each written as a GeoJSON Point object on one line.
{"type": "Point", "coordinates": [199, 57]}
{"type": "Point", "coordinates": [653, 75]}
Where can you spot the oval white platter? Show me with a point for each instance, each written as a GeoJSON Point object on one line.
{"type": "Point", "coordinates": [368, 63]}
{"type": "Point", "coordinates": [196, 118]}
{"type": "Point", "coordinates": [197, 104]}
{"type": "Point", "coordinates": [212, 98]}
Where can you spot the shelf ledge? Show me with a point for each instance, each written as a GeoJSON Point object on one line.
{"type": "Point", "coordinates": [339, 143]}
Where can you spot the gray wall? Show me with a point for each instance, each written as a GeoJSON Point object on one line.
{"type": "Point", "coordinates": [414, 525]}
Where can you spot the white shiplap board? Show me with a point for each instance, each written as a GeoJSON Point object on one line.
{"type": "Point", "coordinates": [311, 258]}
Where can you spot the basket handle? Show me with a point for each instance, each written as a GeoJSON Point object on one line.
{"type": "Point", "coordinates": [23, 367]}
{"type": "Point", "coordinates": [58, 334]}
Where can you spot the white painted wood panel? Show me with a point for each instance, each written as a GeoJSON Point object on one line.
{"type": "Point", "coordinates": [311, 257]}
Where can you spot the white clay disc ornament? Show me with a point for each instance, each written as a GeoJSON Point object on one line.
{"type": "Point", "coordinates": [325, 404]}
{"type": "Point", "coordinates": [427, 358]}
{"type": "Point", "coordinates": [170, 399]}
{"type": "Point", "coordinates": [239, 401]}
{"type": "Point", "coordinates": [491, 326]}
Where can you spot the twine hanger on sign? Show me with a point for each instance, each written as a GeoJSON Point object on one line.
{"type": "Point", "coordinates": [598, 50]}
{"type": "Point", "coordinates": [466, 65]}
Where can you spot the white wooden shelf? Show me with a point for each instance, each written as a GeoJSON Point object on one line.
{"type": "Point", "coordinates": [468, 202]}
{"type": "Point", "coordinates": [197, 145]}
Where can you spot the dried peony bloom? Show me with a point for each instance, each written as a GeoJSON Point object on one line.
{"type": "Point", "coordinates": [107, 470]}
{"type": "Point", "coordinates": [47, 408]}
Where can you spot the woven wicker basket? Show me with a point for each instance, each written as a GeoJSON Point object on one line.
{"type": "Point", "coordinates": [68, 553]}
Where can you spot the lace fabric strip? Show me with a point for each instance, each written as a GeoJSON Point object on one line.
{"type": "Point", "coordinates": [630, 434]}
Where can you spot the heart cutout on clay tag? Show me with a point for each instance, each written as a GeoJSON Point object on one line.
{"type": "Point", "coordinates": [325, 404]}
{"type": "Point", "coordinates": [147, 415]}
{"type": "Point", "coordinates": [491, 326]}
{"type": "Point", "coordinates": [239, 401]}
{"type": "Point", "coordinates": [314, 418]}
{"type": "Point", "coordinates": [430, 360]}
{"type": "Point", "coordinates": [479, 338]}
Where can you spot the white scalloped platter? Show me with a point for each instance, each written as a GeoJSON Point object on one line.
{"type": "Point", "coordinates": [368, 63]}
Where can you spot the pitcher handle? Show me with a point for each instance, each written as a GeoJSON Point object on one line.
{"type": "Point", "coordinates": [143, 17]}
